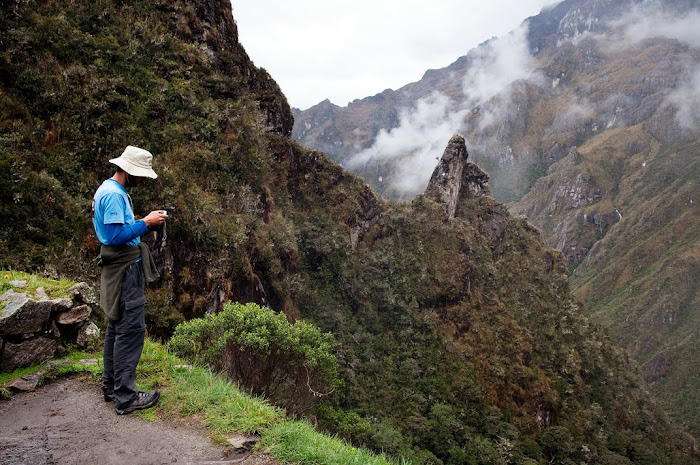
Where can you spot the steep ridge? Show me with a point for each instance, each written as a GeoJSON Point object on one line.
{"type": "Point", "coordinates": [458, 338]}
{"type": "Point", "coordinates": [592, 139]}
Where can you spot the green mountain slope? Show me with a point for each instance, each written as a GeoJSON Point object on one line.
{"type": "Point", "coordinates": [621, 208]}
{"type": "Point", "coordinates": [595, 141]}
{"type": "Point", "coordinates": [458, 338]}
{"type": "Point", "coordinates": [647, 288]}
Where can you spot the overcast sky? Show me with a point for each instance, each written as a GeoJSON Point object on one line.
{"type": "Point", "coordinates": [343, 50]}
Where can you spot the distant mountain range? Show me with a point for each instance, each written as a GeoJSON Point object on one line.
{"type": "Point", "coordinates": [587, 119]}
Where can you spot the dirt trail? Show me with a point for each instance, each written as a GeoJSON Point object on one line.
{"type": "Point", "coordinates": [67, 422]}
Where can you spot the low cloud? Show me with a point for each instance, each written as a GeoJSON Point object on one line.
{"type": "Point", "coordinates": [497, 64]}
{"type": "Point", "coordinates": [495, 67]}
{"type": "Point", "coordinates": [420, 138]}
{"type": "Point", "coordinates": [425, 129]}
{"type": "Point", "coordinates": [576, 114]}
{"type": "Point", "coordinates": [686, 98]}
{"type": "Point", "coordinates": [651, 20]}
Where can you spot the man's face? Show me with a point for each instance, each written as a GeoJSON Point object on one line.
{"type": "Point", "coordinates": [133, 181]}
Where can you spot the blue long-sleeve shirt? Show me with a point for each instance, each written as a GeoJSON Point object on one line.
{"type": "Point", "coordinates": [113, 216]}
{"type": "Point", "coordinates": [118, 234]}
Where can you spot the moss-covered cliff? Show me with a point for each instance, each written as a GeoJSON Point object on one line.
{"type": "Point", "coordinates": [459, 341]}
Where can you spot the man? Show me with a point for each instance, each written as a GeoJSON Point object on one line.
{"type": "Point", "coordinates": [125, 262]}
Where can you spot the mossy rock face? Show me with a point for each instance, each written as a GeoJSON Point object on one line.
{"type": "Point", "coordinates": [35, 330]}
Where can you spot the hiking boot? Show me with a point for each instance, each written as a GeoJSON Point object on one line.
{"type": "Point", "coordinates": [143, 400]}
{"type": "Point", "coordinates": [108, 392]}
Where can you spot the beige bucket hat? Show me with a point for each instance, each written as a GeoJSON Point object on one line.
{"type": "Point", "coordinates": [136, 162]}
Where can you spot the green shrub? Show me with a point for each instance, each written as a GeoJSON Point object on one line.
{"type": "Point", "coordinates": [556, 442]}
{"type": "Point", "coordinates": [292, 365]}
{"type": "Point", "coordinates": [162, 317]}
{"type": "Point", "coordinates": [348, 425]}
{"type": "Point", "coordinates": [530, 448]}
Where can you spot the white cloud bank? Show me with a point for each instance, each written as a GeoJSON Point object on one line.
{"type": "Point", "coordinates": [424, 130]}
{"type": "Point", "coordinates": [496, 65]}
{"type": "Point", "coordinates": [419, 139]}
{"type": "Point", "coordinates": [686, 99]}
{"type": "Point", "coordinates": [651, 20]}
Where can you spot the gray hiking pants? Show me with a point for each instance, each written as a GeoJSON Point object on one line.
{"type": "Point", "coordinates": [124, 339]}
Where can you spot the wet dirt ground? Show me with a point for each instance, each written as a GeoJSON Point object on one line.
{"type": "Point", "coordinates": [68, 422]}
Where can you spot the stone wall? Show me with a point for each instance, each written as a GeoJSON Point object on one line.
{"type": "Point", "coordinates": [32, 331]}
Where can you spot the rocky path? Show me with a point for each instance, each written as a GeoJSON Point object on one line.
{"type": "Point", "coordinates": [67, 422]}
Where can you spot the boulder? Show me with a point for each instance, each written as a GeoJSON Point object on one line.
{"type": "Point", "coordinates": [27, 352]}
{"type": "Point", "coordinates": [32, 331]}
{"type": "Point", "coordinates": [86, 333]}
{"type": "Point", "coordinates": [41, 294]}
{"type": "Point", "coordinates": [55, 363]}
{"type": "Point", "coordinates": [74, 315]}
{"type": "Point", "coordinates": [24, 316]}
{"type": "Point", "coordinates": [25, 383]}
{"type": "Point", "coordinates": [60, 305]}
{"type": "Point", "coordinates": [84, 293]}
{"type": "Point", "coordinates": [243, 442]}
{"type": "Point", "coordinates": [11, 295]}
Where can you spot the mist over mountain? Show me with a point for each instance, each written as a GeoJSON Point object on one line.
{"type": "Point", "coordinates": [457, 335]}
{"type": "Point", "coordinates": [490, 94]}
{"type": "Point", "coordinates": [587, 119]}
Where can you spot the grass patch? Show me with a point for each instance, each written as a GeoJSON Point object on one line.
{"type": "Point", "coordinates": [54, 288]}
{"type": "Point", "coordinates": [299, 442]}
{"type": "Point", "coordinates": [70, 364]}
{"type": "Point", "coordinates": [192, 392]}
{"type": "Point", "coordinates": [5, 377]}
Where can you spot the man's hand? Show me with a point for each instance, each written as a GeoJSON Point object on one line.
{"type": "Point", "coordinates": [155, 218]}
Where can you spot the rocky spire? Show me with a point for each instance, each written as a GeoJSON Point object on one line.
{"type": "Point", "coordinates": [454, 178]}
{"type": "Point", "coordinates": [446, 181]}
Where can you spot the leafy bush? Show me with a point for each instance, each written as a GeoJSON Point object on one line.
{"type": "Point", "coordinates": [292, 365]}
{"type": "Point", "coordinates": [556, 442]}
{"type": "Point", "coordinates": [348, 425]}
